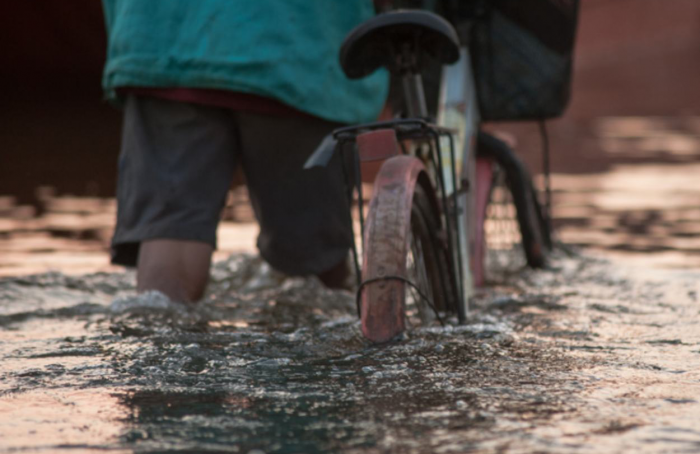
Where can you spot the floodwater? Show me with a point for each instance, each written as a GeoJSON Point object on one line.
{"type": "Point", "coordinates": [583, 357]}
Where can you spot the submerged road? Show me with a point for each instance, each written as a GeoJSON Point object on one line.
{"type": "Point", "coordinates": [586, 356]}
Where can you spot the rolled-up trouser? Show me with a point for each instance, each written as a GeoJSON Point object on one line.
{"type": "Point", "coordinates": [176, 165]}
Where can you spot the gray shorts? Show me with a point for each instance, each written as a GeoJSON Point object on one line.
{"type": "Point", "coordinates": [176, 165]}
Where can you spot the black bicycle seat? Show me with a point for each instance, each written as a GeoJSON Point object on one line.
{"type": "Point", "coordinates": [382, 40]}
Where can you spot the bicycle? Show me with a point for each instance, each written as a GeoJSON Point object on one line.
{"type": "Point", "coordinates": [424, 226]}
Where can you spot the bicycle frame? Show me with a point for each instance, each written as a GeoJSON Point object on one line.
{"type": "Point", "coordinates": [458, 110]}
{"type": "Point", "coordinates": [431, 184]}
{"type": "Point", "coordinates": [432, 190]}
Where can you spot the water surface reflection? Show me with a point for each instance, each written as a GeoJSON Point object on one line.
{"type": "Point", "coordinates": [576, 358]}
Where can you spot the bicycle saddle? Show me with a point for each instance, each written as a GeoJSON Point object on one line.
{"type": "Point", "coordinates": [399, 40]}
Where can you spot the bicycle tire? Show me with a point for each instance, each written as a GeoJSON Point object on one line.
{"type": "Point", "coordinates": [432, 252]}
{"type": "Point", "coordinates": [535, 234]}
{"type": "Point", "coordinates": [534, 228]}
{"type": "Point", "coordinates": [403, 235]}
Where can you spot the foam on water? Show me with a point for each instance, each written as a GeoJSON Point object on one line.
{"type": "Point", "coordinates": [150, 301]}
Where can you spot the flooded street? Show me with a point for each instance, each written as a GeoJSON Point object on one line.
{"type": "Point", "coordinates": [597, 354]}
{"type": "Point", "coordinates": [584, 357]}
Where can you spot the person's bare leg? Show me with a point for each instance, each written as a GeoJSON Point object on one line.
{"type": "Point", "coordinates": [177, 268]}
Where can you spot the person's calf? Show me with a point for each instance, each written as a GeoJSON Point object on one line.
{"type": "Point", "coordinates": [177, 268]}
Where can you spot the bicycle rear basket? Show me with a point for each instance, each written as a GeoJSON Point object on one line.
{"type": "Point", "coordinates": [522, 52]}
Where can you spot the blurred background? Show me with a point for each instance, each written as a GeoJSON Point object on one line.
{"type": "Point", "coordinates": [625, 157]}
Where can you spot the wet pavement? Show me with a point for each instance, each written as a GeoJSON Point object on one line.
{"type": "Point", "coordinates": [585, 356]}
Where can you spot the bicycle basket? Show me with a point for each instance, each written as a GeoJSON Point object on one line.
{"type": "Point", "coordinates": [522, 53]}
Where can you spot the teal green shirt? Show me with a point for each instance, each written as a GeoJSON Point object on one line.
{"type": "Point", "coordinates": [283, 49]}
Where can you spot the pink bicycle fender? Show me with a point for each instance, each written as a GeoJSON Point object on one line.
{"type": "Point", "coordinates": [387, 231]}
{"type": "Point", "coordinates": [484, 177]}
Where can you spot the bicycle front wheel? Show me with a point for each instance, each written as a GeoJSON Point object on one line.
{"type": "Point", "coordinates": [534, 229]}
{"type": "Point", "coordinates": [512, 197]}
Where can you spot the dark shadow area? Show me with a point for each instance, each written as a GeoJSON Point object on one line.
{"type": "Point", "coordinates": [55, 128]}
